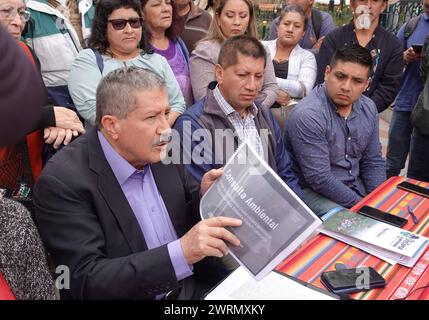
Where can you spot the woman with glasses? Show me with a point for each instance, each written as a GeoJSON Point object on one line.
{"type": "Point", "coordinates": [232, 18]}
{"type": "Point", "coordinates": [117, 40]}
{"type": "Point", "coordinates": [163, 26]}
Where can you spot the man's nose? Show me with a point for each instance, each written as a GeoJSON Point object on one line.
{"type": "Point", "coordinates": [251, 83]}
{"type": "Point", "coordinates": [346, 86]}
{"type": "Point", "coordinates": [164, 126]}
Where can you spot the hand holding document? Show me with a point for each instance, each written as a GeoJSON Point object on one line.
{"type": "Point", "coordinates": [275, 220]}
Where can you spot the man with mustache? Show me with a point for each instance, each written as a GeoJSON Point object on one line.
{"type": "Point", "coordinates": [124, 224]}
{"type": "Point", "coordinates": [332, 134]}
{"type": "Point", "coordinates": [385, 49]}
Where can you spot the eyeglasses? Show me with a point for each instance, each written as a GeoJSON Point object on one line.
{"type": "Point", "coordinates": [10, 14]}
{"type": "Point", "coordinates": [119, 24]}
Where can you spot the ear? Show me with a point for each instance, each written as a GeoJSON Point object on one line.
{"type": "Point", "coordinates": [385, 4]}
{"type": "Point", "coordinates": [327, 71]}
{"type": "Point", "coordinates": [111, 126]}
{"type": "Point", "coordinates": [219, 73]}
{"type": "Point", "coordinates": [368, 83]}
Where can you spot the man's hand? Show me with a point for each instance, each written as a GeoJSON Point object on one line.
{"type": "Point", "coordinates": [57, 136]}
{"type": "Point", "coordinates": [67, 119]}
{"type": "Point", "coordinates": [208, 178]}
{"type": "Point", "coordinates": [207, 238]}
{"type": "Point", "coordinates": [410, 55]}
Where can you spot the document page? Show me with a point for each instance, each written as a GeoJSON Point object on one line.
{"type": "Point", "coordinates": [275, 220]}
{"type": "Point", "coordinates": [240, 285]}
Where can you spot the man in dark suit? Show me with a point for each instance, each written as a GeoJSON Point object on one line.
{"type": "Point", "coordinates": [120, 220]}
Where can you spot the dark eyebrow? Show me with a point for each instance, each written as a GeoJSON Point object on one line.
{"type": "Point", "coordinates": [340, 73]}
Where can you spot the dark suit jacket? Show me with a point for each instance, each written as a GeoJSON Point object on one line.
{"type": "Point", "coordinates": [87, 224]}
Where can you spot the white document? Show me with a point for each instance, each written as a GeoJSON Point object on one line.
{"type": "Point", "coordinates": [240, 285]}
{"type": "Point", "coordinates": [275, 220]}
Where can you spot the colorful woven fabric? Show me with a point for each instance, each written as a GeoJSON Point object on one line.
{"type": "Point", "coordinates": [323, 253]}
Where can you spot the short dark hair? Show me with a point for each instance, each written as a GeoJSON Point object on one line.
{"type": "Point", "coordinates": [353, 53]}
{"type": "Point", "coordinates": [246, 45]}
{"type": "Point", "coordinates": [293, 8]}
{"type": "Point", "coordinates": [104, 8]}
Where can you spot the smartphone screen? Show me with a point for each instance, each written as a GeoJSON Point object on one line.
{"type": "Point", "coordinates": [352, 280]}
{"type": "Point", "coordinates": [411, 187]}
{"type": "Point", "coordinates": [383, 216]}
{"type": "Point", "coordinates": [417, 48]}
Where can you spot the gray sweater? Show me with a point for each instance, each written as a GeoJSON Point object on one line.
{"type": "Point", "coordinates": [202, 67]}
{"type": "Point", "coordinates": [22, 256]}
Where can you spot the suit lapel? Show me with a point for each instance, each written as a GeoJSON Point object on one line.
{"type": "Point", "coordinates": [170, 187]}
{"type": "Point", "coordinates": [113, 195]}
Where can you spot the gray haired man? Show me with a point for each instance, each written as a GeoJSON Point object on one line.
{"type": "Point", "coordinates": [122, 222]}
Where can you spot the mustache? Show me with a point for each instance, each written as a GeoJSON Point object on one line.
{"type": "Point", "coordinates": [163, 139]}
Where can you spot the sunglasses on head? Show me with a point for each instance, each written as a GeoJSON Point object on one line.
{"type": "Point", "coordinates": [119, 24]}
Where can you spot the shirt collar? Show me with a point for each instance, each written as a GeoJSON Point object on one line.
{"type": "Point", "coordinates": [226, 107]}
{"type": "Point", "coordinates": [122, 169]}
{"type": "Point", "coordinates": [425, 16]}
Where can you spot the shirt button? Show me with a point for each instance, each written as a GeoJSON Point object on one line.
{"type": "Point", "coordinates": [350, 172]}
{"type": "Point", "coordinates": [347, 156]}
{"type": "Point", "coordinates": [349, 138]}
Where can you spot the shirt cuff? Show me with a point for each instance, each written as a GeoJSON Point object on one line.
{"type": "Point", "coordinates": [181, 267]}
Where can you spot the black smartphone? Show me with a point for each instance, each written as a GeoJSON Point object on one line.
{"type": "Point", "coordinates": [352, 280]}
{"type": "Point", "coordinates": [383, 216]}
{"type": "Point", "coordinates": [417, 48]}
{"type": "Point", "coordinates": [411, 187]}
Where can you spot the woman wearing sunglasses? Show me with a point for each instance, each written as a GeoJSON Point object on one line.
{"type": "Point", "coordinates": [164, 28]}
{"type": "Point", "coordinates": [117, 40]}
{"type": "Point", "coordinates": [232, 18]}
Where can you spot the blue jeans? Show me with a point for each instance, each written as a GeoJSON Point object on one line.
{"type": "Point", "coordinates": [399, 142]}
{"type": "Point", "coordinates": [317, 203]}
{"type": "Point", "coordinates": [418, 166]}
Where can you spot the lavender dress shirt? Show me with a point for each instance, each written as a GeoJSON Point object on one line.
{"type": "Point", "coordinates": [143, 196]}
